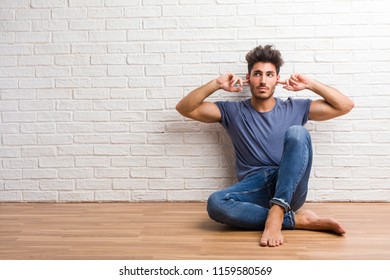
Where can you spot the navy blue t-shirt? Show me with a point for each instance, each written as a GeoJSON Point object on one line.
{"type": "Point", "coordinates": [258, 137]}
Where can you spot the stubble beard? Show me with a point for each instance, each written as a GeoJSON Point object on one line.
{"type": "Point", "coordinates": [262, 96]}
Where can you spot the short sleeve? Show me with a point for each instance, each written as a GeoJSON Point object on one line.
{"type": "Point", "coordinates": [301, 107]}
{"type": "Point", "coordinates": [224, 109]}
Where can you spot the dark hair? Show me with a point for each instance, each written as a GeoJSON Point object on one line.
{"type": "Point", "coordinates": [264, 54]}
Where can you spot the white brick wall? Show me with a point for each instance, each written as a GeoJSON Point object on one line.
{"type": "Point", "coordinates": [88, 90]}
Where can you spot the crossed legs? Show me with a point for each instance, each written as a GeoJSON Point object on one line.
{"type": "Point", "coordinates": [270, 199]}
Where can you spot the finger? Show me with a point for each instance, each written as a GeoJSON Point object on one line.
{"type": "Point", "coordinates": [295, 78]}
{"type": "Point", "coordinates": [293, 83]}
{"type": "Point", "coordinates": [281, 82]}
{"type": "Point", "coordinates": [236, 89]}
{"type": "Point", "coordinates": [238, 82]}
{"type": "Point", "coordinates": [288, 87]}
{"type": "Point", "coordinates": [233, 80]}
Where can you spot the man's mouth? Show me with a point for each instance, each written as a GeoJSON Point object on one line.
{"type": "Point", "coordinates": [262, 88]}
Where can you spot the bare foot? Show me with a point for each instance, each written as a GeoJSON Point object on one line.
{"type": "Point", "coordinates": [307, 219]}
{"type": "Point", "coordinates": [272, 234]}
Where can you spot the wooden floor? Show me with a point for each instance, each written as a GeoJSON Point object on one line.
{"type": "Point", "coordinates": [179, 231]}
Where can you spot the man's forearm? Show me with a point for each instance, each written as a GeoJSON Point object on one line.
{"type": "Point", "coordinates": [332, 96]}
{"type": "Point", "coordinates": [196, 97]}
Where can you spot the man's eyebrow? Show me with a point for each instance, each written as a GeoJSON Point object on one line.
{"type": "Point", "coordinates": [259, 71]}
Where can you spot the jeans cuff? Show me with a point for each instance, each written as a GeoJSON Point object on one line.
{"type": "Point", "coordinates": [281, 203]}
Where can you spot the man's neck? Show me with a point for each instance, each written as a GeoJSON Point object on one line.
{"type": "Point", "coordinates": [263, 105]}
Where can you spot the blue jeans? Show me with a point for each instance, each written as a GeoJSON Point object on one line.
{"type": "Point", "coordinates": [246, 204]}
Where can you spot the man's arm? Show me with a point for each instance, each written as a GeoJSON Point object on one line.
{"type": "Point", "coordinates": [193, 105]}
{"type": "Point", "coordinates": [333, 104]}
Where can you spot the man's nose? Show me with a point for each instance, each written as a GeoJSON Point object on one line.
{"type": "Point", "coordinates": [262, 79]}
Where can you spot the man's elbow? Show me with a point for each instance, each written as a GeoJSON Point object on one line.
{"type": "Point", "coordinates": [348, 106]}
{"type": "Point", "coordinates": [181, 110]}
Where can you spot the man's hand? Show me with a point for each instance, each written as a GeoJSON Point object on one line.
{"type": "Point", "coordinates": [296, 82]}
{"type": "Point", "coordinates": [333, 104]}
{"type": "Point", "coordinates": [230, 82]}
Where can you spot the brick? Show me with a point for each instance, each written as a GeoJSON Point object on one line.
{"type": "Point", "coordinates": [52, 49]}
{"type": "Point", "coordinates": [110, 105]}
{"type": "Point", "coordinates": [38, 151]}
{"type": "Point", "coordinates": [70, 37]}
{"type": "Point", "coordinates": [22, 185]}
{"type": "Point", "coordinates": [48, 162]}
{"type": "Point", "coordinates": [120, 3]}
{"type": "Point", "coordinates": [123, 24]}
{"type": "Point", "coordinates": [174, 184]}
{"type": "Point", "coordinates": [126, 71]}
{"type": "Point", "coordinates": [144, 35]}
{"type": "Point", "coordinates": [37, 128]}
{"type": "Point", "coordinates": [49, 3]}
{"type": "Point", "coordinates": [112, 196]}
{"type": "Point", "coordinates": [332, 149]}
{"type": "Point", "coordinates": [19, 117]}
{"type": "Point", "coordinates": [9, 128]}
{"type": "Point", "coordinates": [112, 173]}
{"type": "Point", "coordinates": [40, 196]}
{"type": "Point", "coordinates": [132, 138]}
{"type": "Point", "coordinates": [109, 82]}
{"type": "Point", "coordinates": [15, 26]}
{"type": "Point", "coordinates": [127, 116]}
{"type": "Point", "coordinates": [184, 173]}
{"type": "Point", "coordinates": [76, 196]}
{"type": "Point", "coordinates": [100, 93]}
{"type": "Point", "coordinates": [92, 139]}
{"type": "Point", "coordinates": [36, 83]}
{"type": "Point", "coordinates": [111, 150]}
{"type": "Point", "coordinates": [75, 173]}
{"type": "Point", "coordinates": [20, 163]}
{"type": "Point", "coordinates": [144, 12]}
{"type": "Point", "coordinates": [125, 48]}
{"type": "Point", "coordinates": [93, 184]}
{"type": "Point", "coordinates": [149, 196]}
{"type": "Point", "coordinates": [10, 196]}
{"type": "Point", "coordinates": [86, 3]}
{"type": "Point", "coordinates": [111, 127]}
{"type": "Point", "coordinates": [147, 173]}
{"type": "Point", "coordinates": [69, 13]}
{"type": "Point", "coordinates": [184, 196]}
{"type": "Point", "coordinates": [130, 184]}
{"type": "Point", "coordinates": [39, 173]}
{"type": "Point", "coordinates": [76, 150]}
{"type": "Point", "coordinates": [86, 25]}
{"type": "Point", "coordinates": [126, 161]}
{"type": "Point", "coordinates": [55, 139]}
{"type": "Point", "coordinates": [147, 150]}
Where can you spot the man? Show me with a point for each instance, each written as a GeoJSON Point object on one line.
{"type": "Point", "coordinates": [273, 149]}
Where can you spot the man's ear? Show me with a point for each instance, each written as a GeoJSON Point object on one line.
{"type": "Point", "coordinates": [247, 78]}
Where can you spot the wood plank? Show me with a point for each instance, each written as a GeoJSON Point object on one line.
{"type": "Point", "coordinates": [179, 231]}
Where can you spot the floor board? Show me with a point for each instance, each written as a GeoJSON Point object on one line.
{"type": "Point", "coordinates": [179, 231]}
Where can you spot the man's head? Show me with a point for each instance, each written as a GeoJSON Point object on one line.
{"type": "Point", "coordinates": [264, 54]}
{"type": "Point", "coordinates": [263, 71]}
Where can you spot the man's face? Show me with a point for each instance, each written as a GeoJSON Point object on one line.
{"type": "Point", "coordinates": [263, 80]}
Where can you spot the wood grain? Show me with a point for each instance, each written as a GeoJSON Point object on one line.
{"type": "Point", "coordinates": [179, 231]}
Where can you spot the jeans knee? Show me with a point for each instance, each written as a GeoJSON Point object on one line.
{"type": "Point", "coordinates": [212, 205]}
{"type": "Point", "coordinates": [298, 134]}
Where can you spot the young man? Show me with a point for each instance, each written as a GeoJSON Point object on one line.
{"type": "Point", "coordinates": [273, 149]}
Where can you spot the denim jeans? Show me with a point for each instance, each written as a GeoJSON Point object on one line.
{"type": "Point", "coordinates": [246, 203]}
